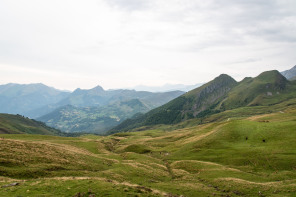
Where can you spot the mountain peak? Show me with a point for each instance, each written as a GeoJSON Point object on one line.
{"type": "Point", "coordinates": [98, 88]}
{"type": "Point", "coordinates": [224, 78]}
{"type": "Point", "coordinates": [222, 84]}
{"type": "Point", "coordinates": [272, 76]}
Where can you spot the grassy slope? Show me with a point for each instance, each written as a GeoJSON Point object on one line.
{"type": "Point", "coordinates": [293, 79]}
{"type": "Point", "coordinates": [201, 160]}
{"type": "Point", "coordinates": [18, 124]}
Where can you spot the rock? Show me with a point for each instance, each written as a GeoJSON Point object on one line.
{"type": "Point", "coordinates": [11, 184]}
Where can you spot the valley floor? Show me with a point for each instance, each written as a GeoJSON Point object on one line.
{"type": "Point", "coordinates": [254, 156]}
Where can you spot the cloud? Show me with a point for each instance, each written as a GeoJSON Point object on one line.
{"type": "Point", "coordinates": [188, 41]}
{"type": "Point", "coordinates": [129, 5]}
{"type": "Point", "coordinates": [248, 60]}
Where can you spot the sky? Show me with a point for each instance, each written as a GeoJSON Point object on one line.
{"type": "Point", "coordinates": [69, 44]}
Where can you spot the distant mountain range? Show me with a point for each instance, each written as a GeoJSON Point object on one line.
{"type": "Point", "coordinates": [35, 100]}
{"type": "Point", "coordinates": [98, 110]}
{"type": "Point", "coordinates": [222, 93]}
{"type": "Point", "coordinates": [93, 110]}
{"type": "Point", "coordinates": [99, 97]}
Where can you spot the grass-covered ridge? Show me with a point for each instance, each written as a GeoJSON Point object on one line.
{"type": "Point", "coordinates": [247, 155]}
{"type": "Point", "coordinates": [17, 124]}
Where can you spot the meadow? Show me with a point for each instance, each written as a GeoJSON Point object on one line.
{"type": "Point", "coordinates": [248, 155]}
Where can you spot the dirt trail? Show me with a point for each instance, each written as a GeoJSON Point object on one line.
{"type": "Point", "coordinates": [6, 179]}
{"type": "Point", "coordinates": [253, 118]}
{"type": "Point", "coordinates": [179, 133]}
{"type": "Point", "coordinates": [197, 138]}
{"type": "Point", "coordinates": [210, 163]}
{"type": "Point", "coordinates": [242, 181]}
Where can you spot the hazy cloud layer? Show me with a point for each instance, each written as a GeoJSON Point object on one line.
{"type": "Point", "coordinates": [123, 43]}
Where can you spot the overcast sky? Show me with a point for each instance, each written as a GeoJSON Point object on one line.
{"type": "Point", "coordinates": [123, 43]}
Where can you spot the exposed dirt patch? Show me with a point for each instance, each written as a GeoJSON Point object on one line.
{"type": "Point", "coordinates": [242, 181]}
{"type": "Point", "coordinates": [222, 167]}
{"type": "Point", "coordinates": [255, 118]}
{"type": "Point", "coordinates": [199, 137]}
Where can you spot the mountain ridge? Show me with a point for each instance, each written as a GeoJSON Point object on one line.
{"type": "Point", "coordinates": [268, 88]}
{"type": "Point", "coordinates": [186, 106]}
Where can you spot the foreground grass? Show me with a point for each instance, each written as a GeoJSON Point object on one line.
{"type": "Point", "coordinates": [242, 156]}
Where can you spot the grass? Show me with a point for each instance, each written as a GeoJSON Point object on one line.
{"type": "Point", "coordinates": [224, 158]}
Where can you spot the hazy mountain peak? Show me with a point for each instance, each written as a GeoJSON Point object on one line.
{"type": "Point", "coordinates": [77, 91]}
{"type": "Point", "coordinates": [290, 74]}
{"type": "Point", "coordinates": [98, 88]}
{"type": "Point", "coordinates": [95, 90]}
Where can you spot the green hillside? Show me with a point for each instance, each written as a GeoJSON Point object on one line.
{"type": "Point", "coordinates": [266, 89]}
{"type": "Point", "coordinates": [17, 124]}
{"type": "Point", "coordinates": [237, 155]}
{"type": "Point", "coordinates": [223, 93]}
